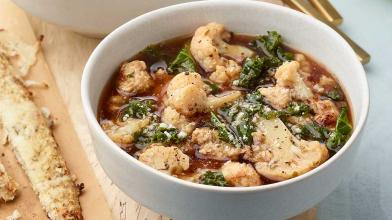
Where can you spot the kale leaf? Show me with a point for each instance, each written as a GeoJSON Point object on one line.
{"type": "Point", "coordinates": [138, 108]}
{"type": "Point", "coordinates": [153, 52]}
{"type": "Point", "coordinates": [158, 133]}
{"type": "Point", "coordinates": [253, 69]}
{"type": "Point", "coordinates": [314, 131]}
{"type": "Point", "coordinates": [297, 109]}
{"type": "Point", "coordinates": [334, 95]}
{"type": "Point", "coordinates": [183, 62]}
{"type": "Point", "coordinates": [225, 133]}
{"type": "Point", "coordinates": [213, 179]}
{"type": "Point", "coordinates": [271, 45]}
{"type": "Point", "coordinates": [239, 115]}
{"type": "Point", "coordinates": [294, 109]}
{"type": "Point", "coordinates": [342, 130]}
{"type": "Point", "coordinates": [214, 87]}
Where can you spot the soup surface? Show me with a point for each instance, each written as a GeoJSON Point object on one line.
{"type": "Point", "coordinates": [222, 109]}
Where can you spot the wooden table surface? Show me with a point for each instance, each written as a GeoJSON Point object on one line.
{"type": "Point", "coordinates": [66, 54]}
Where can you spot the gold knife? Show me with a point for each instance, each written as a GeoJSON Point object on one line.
{"type": "Point", "coordinates": [328, 11]}
{"type": "Point", "coordinates": [305, 7]}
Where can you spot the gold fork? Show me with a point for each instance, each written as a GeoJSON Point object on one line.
{"type": "Point", "coordinates": [305, 7]}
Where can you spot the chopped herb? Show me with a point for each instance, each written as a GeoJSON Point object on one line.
{"type": "Point", "coordinates": [225, 133]}
{"type": "Point", "coordinates": [137, 108]}
{"type": "Point", "coordinates": [213, 179]}
{"type": "Point", "coordinates": [342, 130]}
{"type": "Point", "coordinates": [183, 62]}
{"type": "Point", "coordinates": [314, 131]}
{"type": "Point", "coordinates": [271, 45]}
{"type": "Point", "coordinates": [158, 133]}
{"type": "Point", "coordinates": [214, 87]}
{"type": "Point", "coordinates": [253, 69]}
{"type": "Point", "coordinates": [334, 95]}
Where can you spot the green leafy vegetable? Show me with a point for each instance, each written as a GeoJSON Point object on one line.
{"type": "Point", "coordinates": [183, 62]}
{"type": "Point", "coordinates": [214, 87]}
{"type": "Point", "coordinates": [342, 131]}
{"type": "Point", "coordinates": [153, 52]}
{"type": "Point", "coordinates": [294, 109]}
{"type": "Point", "coordinates": [269, 113]}
{"type": "Point", "coordinates": [334, 95]}
{"type": "Point", "coordinates": [224, 132]}
{"type": "Point", "coordinates": [253, 69]}
{"type": "Point", "coordinates": [213, 179]}
{"type": "Point", "coordinates": [138, 109]}
{"type": "Point", "coordinates": [271, 45]}
{"type": "Point", "coordinates": [297, 109]}
{"type": "Point", "coordinates": [158, 133]}
{"type": "Point", "coordinates": [240, 114]}
{"type": "Point", "coordinates": [314, 131]}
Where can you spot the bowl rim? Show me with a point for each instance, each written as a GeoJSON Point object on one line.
{"type": "Point", "coordinates": [106, 42]}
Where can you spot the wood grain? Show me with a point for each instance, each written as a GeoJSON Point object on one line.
{"type": "Point", "coordinates": [14, 20]}
{"type": "Point", "coordinates": [66, 54]}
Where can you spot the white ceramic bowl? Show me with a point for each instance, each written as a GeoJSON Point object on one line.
{"type": "Point", "coordinates": [91, 17]}
{"type": "Point", "coordinates": [184, 200]}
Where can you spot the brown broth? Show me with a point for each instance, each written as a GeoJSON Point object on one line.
{"type": "Point", "coordinates": [170, 49]}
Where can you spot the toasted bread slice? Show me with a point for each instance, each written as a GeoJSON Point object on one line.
{"type": "Point", "coordinates": [8, 185]}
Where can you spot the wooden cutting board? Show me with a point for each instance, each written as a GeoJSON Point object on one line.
{"type": "Point", "coordinates": [14, 20]}
{"type": "Point", "coordinates": [66, 54]}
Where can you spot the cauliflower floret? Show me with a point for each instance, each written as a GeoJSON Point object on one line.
{"type": "Point", "coordinates": [122, 132]}
{"type": "Point", "coordinates": [133, 78]}
{"type": "Point", "coordinates": [167, 159]}
{"type": "Point", "coordinates": [326, 112]}
{"type": "Point", "coordinates": [224, 74]}
{"type": "Point", "coordinates": [282, 156]}
{"type": "Point", "coordinates": [219, 100]}
{"type": "Point", "coordinates": [214, 148]}
{"type": "Point", "coordinates": [171, 116]}
{"type": "Point", "coordinates": [186, 93]}
{"type": "Point", "coordinates": [208, 43]}
{"type": "Point", "coordinates": [327, 82]}
{"type": "Point", "coordinates": [207, 46]}
{"type": "Point", "coordinates": [287, 76]}
{"type": "Point", "coordinates": [278, 97]}
{"type": "Point", "coordinates": [240, 174]}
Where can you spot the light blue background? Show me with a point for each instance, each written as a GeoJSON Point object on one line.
{"type": "Point", "coordinates": [367, 194]}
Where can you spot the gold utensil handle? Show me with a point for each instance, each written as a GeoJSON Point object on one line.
{"type": "Point", "coordinates": [305, 7]}
{"type": "Point", "coordinates": [328, 11]}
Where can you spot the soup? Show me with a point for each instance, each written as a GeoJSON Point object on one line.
{"type": "Point", "coordinates": [224, 109]}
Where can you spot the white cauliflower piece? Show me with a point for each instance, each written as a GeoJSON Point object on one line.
{"type": "Point", "coordinates": [208, 43]}
{"type": "Point", "coordinates": [209, 49]}
{"type": "Point", "coordinates": [134, 78]}
{"type": "Point", "coordinates": [326, 112]}
{"type": "Point", "coordinates": [226, 73]}
{"type": "Point", "coordinates": [122, 132]}
{"type": "Point", "coordinates": [287, 76]}
{"type": "Point", "coordinates": [240, 174]}
{"type": "Point", "coordinates": [214, 148]}
{"type": "Point", "coordinates": [219, 100]}
{"type": "Point", "coordinates": [327, 82]}
{"type": "Point", "coordinates": [167, 159]}
{"type": "Point", "coordinates": [278, 97]}
{"type": "Point", "coordinates": [171, 116]}
{"type": "Point", "coordinates": [282, 156]}
{"type": "Point", "coordinates": [186, 93]}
